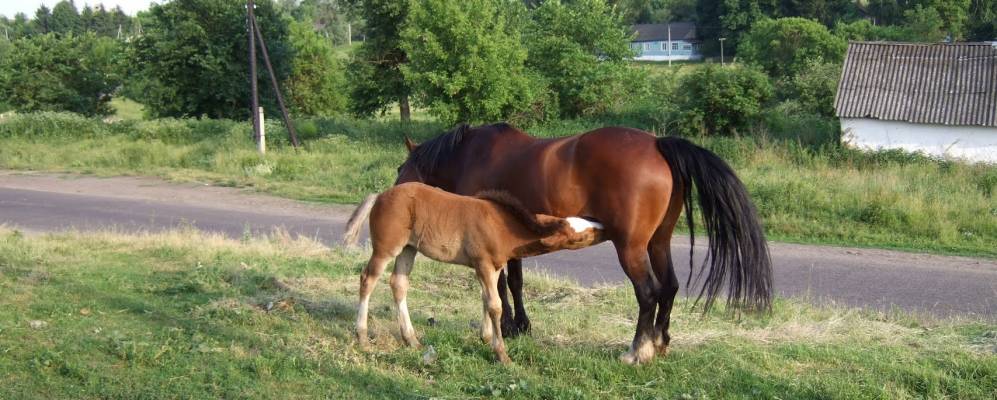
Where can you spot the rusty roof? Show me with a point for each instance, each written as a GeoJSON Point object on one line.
{"type": "Point", "coordinates": [930, 83]}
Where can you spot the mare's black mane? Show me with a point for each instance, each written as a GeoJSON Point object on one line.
{"type": "Point", "coordinates": [429, 155]}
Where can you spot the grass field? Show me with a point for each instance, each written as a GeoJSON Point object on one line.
{"type": "Point", "coordinates": [806, 192]}
{"type": "Point", "coordinates": [187, 315]}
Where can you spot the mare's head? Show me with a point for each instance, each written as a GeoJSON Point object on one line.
{"type": "Point", "coordinates": [432, 162]}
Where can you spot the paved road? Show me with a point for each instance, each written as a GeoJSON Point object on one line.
{"type": "Point", "coordinates": [873, 278]}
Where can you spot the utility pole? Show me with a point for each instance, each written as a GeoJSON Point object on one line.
{"type": "Point", "coordinates": [722, 51]}
{"type": "Point", "coordinates": [349, 34]}
{"type": "Point", "coordinates": [276, 87]}
{"type": "Point", "coordinates": [254, 99]}
{"type": "Point", "coordinates": [669, 44]}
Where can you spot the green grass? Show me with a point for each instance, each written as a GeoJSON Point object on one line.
{"type": "Point", "coordinates": [125, 108]}
{"type": "Point", "coordinates": [184, 315]}
{"type": "Point", "coordinates": [807, 190]}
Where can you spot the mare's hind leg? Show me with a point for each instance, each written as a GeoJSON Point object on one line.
{"type": "Point", "coordinates": [399, 287]}
{"type": "Point", "coordinates": [634, 258]}
{"type": "Point", "coordinates": [513, 324]}
{"type": "Point", "coordinates": [661, 261]}
{"type": "Point", "coordinates": [664, 270]}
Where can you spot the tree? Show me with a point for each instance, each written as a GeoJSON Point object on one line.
{"type": "Point", "coordinates": [43, 20]}
{"type": "Point", "coordinates": [982, 25]}
{"type": "Point", "coordinates": [722, 100]}
{"type": "Point", "coordinates": [782, 47]}
{"type": "Point", "coordinates": [826, 11]}
{"type": "Point", "coordinates": [729, 19]}
{"type": "Point", "coordinates": [814, 87]}
{"type": "Point", "coordinates": [465, 60]}
{"type": "Point", "coordinates": [582, 49]}
{"type": "Point", "coordinates": [375, 74]}
{"type": "Point", "coordinates": [69, 72]}
{"type": "Point", "coordinates": [193, 56]}
{"type": "Point", "coordinates": [65, 18]}
{"type": "Point", "coordinates": [317, 83]}
{"type": "Point", "coordinates": [925, 24]}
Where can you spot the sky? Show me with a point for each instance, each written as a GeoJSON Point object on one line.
{"type": "Point", "coordinates": [11, 7]}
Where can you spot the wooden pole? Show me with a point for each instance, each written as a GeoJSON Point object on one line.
{"type": "Point", "coordinates": [276, 87]}
{"type": "Point", "coordinates": [254, 99]}
{"type": "Point", "coordinates": [357, 219]}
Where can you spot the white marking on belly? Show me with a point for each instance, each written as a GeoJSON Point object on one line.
{"type": "Point", "coordinates": [582, 224]}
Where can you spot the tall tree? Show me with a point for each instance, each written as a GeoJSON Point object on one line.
{"type": "Point", "coordinates": [982, 23]}
{"type": "Point", "coordinates": [42, 23]}
{"type": "Point", "coordinates": [317, 82]}
{"type": "Point", "coordinates": [65, 18]}
{"type": "Point", "coordinates": [583, 51]}
{"type": "Point", "coordinates": [729, 19]}
{"type": "Point", "coordinates": [193, 55]}
{"type": "Point", "coordinates": [375, 72]}
{"type": "Point", "coordinates": [466, 61]}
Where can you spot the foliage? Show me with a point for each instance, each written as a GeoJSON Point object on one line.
{"type": "Point", "coordinates": [863, 30]}
{"type": "Point", "coordinates": [75, 73]}
{"type": "Point", "coordinates": [982, 24]}
{"type": "Point", "coordinates": [925, 24]}
{"type": "Point", "coordinates": [466, 61]}
{"type": "Point", "coordinates": [722, 100]}
{"type": "Point", "coordinates": [317, 83]}
{"type": "Point", "coordinates": [784, 46]}
{"type": "Point", "coordinates": [655, 11]}
{"type": "Point", "coordinates": [65, 18]}
{"type": "Point", "coordinates": [814, 86]}
{"type": "Point", "coordinates": [375, 76]}
{"type": "Point", "coordinates": [193, 56]}
{"type": "Point", "coordinates": [582, 50]}
{"type": "Point", "coordinates": [825, 11]}
{"type": "Point", "coordinates": [728, 19]}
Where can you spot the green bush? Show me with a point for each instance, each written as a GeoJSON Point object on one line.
{"type": "Point", "coordinates": [721, 100]}
{"type": "Point", "coordinates": [785, 46]}
{"type": "Point", "coordinates": [76, 73]}
{"type": "Point", "coordinates": [814, 87]}
{"type": "Point", "coordinates": [317, 85]}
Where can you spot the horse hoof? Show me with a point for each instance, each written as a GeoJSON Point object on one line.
{"type": "Point", "coordinates": [509, 328]}
{"type": "Point", "coordinates": [412, 342]}
{"type": "Point", "coordinates": [504, 359]}
{"type": "Point", "coordinates": [641, 355]}
{"type": "Point", "coordinates": [523, 325]}
{"type": "Point", "coordinates": [662, 350]}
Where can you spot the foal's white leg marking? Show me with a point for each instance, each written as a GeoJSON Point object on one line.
{"type": "Point", "coordinates": [399, 287]}
{"type": "Point", "coordinates": [368, 279]}
{"type": "Point", "coordinates": [582, 224]}
{"type": "Point", "coordinates": [487, 331]}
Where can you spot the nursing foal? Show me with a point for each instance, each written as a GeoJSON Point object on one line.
{"type": "Point", "coordinates": [483, 232]}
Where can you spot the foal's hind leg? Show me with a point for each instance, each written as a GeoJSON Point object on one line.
{"type": "Point", "coordinates": [368, 279]}
{"type": "Point", "coordinates": [488, 277]}
{"type": "Point", "coordinates": [399, 287]}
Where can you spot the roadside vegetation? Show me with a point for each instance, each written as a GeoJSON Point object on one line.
{"type": "Point", "coordinates": [186, 314]}
{"type": "Point", "coordinates": [552, 68]}
{"type": "Point", "coordinates": [813, 193]}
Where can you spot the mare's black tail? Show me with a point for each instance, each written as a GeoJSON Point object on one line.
{"type": "Point", "coordinates": [738, 253]}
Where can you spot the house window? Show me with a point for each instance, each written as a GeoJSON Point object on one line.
{"type": "Point", "coordinates": [664, 46]}
{"type": "Point", "coordinates": [648, 46]}
{"type": "Point", "coordinates": [675, 46]}
{"type": "Point", "coordinates": [686, 47]}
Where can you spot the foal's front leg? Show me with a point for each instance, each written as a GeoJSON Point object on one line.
{"type": "Point", "coordinates": [488, 277]}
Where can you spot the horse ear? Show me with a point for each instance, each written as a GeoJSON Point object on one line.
{"type": "Point", "coordinates": [410, 144]}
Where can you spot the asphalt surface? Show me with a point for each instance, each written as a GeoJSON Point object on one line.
{"type": "Point", "coordinates": [878, 279]}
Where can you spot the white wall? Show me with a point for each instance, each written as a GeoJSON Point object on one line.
{"type": "Point", "coordinates": [970, 143]}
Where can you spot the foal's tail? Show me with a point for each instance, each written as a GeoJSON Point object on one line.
{"type": "Point", "coordinates": [738, 253]}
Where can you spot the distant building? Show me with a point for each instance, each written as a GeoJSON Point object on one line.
{"type": "Point", "coordinates": [938, 99]}
{"type": "Point", "coordinates": [654, 43]}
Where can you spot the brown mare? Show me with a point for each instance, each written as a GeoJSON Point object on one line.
{"type": "Point", "coordinates": [482, 232]}
{"type": "Point", "coordinates": [632, 182]}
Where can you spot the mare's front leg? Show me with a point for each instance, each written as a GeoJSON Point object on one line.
{"type": "Point", "coordinates": [513, 324]}
{"type": "Point", "coordinates": [399, 288]}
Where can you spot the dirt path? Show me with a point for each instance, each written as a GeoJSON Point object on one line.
{"type": "Point", "coordinates": [881, 279]}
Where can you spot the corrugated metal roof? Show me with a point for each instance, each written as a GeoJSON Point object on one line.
{"type": "Point", "coordinates": [659, 32]}
{"type": "Point", "coordinates": [950, 84]}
